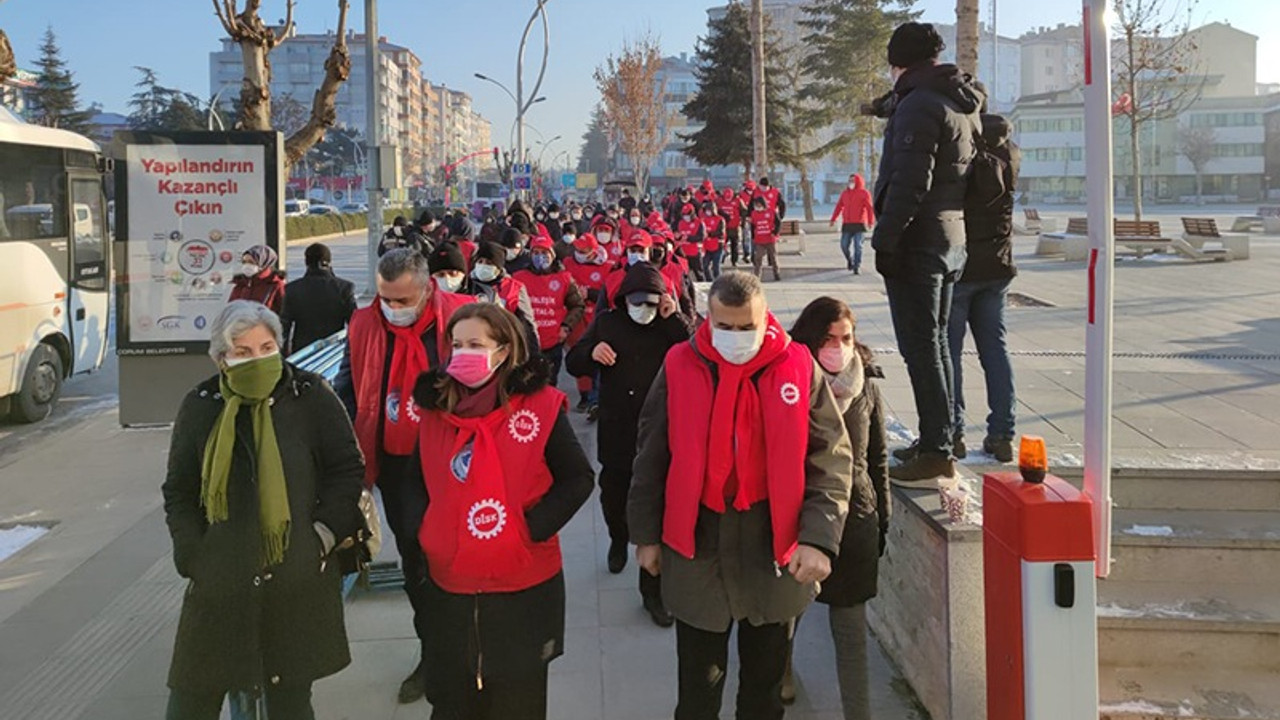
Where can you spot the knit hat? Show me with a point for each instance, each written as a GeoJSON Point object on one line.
{"type": "Point", "coordinates": [494, 253]}
{"type": "Point", "coordinates": [641, 278]}
{"type": "Point", "coordinates": [318, 255]}
{"type": "Point", "coordinates": [913, 43]}
{"type": "Point", "coordinates": [447, 256]}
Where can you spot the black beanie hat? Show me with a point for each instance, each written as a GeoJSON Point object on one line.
{"type": "Point", "coordinates": [447, 256]}
{"type": "Point", "coordinates": [494, 253]}
{"type": "Point", "coordinates": [641, 277]}
{"type": "Point", "coordinates": [913, 43]}
{"type": "Point", "coordinates": [318, 255]}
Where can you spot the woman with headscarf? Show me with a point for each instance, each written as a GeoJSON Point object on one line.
{"type": "Point", "coordinates": [263, 482]}
{"type": "Point", "coordinates": [257, 279]}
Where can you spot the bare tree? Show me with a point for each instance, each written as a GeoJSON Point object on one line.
{"type": "Point", "coordinates": [759, 91]}
{"type": "Point", "coordinates": [967, 36]}
{"type": "Point", "coordinates": [633, 104]}
{"type": "Point", "coordinates": [256, 42]}
{"type": "Point", "coordinates": [1197, 145]}
{"type": "Point", "coordinates": [1155, 59]}
{"type": "Point", "coordinates": [8, 65]}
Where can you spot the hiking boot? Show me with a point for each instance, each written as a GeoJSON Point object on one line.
{"type": "Point", "coordinates": [904, 454]}
{"type": "Point", "coordinates": [414, 687]}
{"type": "Point", "coordinates": [958, 450]}
{"type": "Point", "coordinates": [617, 556]}
{"type": "Point", "coordinates": [593, 412]}
{"type": "Point", "coordinates": [857, 271]}
{"type": "Point", "coordinates": [583, 404]}
{"type": "Point", "coordinates": [999, 448]}
{"type": "Point", "coordinates": [658, 612]}
{"type": "Point", "coordinates": [921, 471]}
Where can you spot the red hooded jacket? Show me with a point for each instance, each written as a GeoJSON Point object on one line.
{"type": "Point", "coordinates": [855, 204]}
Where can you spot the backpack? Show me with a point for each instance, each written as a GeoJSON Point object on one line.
{"type": "Point", "coordinates": [990, 177]}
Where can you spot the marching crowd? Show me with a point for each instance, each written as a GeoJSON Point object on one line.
{"type": "Point", "coordinates": [745, 462]}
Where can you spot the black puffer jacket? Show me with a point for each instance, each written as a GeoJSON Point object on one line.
{"type": "Point", "coordinates": [990, 229]}
{"type": "Point", "coordinates": [920, 189]}
{"type": "Point", "coordinates": [241, 625]}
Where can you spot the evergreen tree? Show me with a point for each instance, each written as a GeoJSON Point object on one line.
{"type": "Point", "coordinates": [159, 108]}
{"type": "Point", "coordinates": [54, 99]}
{"type": "Point", "coordinates": [722, 103]}
{"type": "Point", "coordinates": [595, 153]}
{"type": "Point", "coordinates": [845, 66]}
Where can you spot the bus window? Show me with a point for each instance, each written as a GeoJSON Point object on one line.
{"type": "Point", "coordinates": [90, 270]}
{"type": "Point", "coordinates": [34, 195]}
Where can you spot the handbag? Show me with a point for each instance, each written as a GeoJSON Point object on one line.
{"type": "Point", "coordinates": [356, 553]}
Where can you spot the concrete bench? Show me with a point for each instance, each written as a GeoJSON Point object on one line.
{"type": "Point", "coordinates": [1203, 235]}
{"type": "Point", "coordinates": [1140, 236]}
{"type": "Point", "coordinates": [790, 230]}
{"type": "Point", "coordinates": [1055, 243]}
{"type": "Point", "coordinates": [1033, 224]}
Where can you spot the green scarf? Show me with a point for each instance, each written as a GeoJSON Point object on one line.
{"type": "Point", "coordinates": [249, 383]}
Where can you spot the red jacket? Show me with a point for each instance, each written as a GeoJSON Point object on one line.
{"type": "Point", "coordinates": [713, 228]}
{"type": "Point", "coordinates": [267, 287]}
{"type": "Point", "coordinates": [731, 211]}
{"type": "Point", "coordinates": [474, 533]}
{"type": "Point", "coordinates": [778, 475]}
{"type": "Point", "coordinates": [762, 227]}
{"type": "Point", "coordinates": [367, 340]}
{"type": "Point", "coordinates": [547, 294]}
{"type": "Point", "coordinates": [856, 205]}
{"type": "Point", "coordinates": [690, 234]}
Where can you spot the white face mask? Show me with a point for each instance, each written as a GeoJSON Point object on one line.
{"type": "Point", "coordinates": [635, 221]}
{"type": "Point", "coordinates": [450, 282]}
{"type": "Point", "coordinates": [400, 317]}
{"type": "Point", "coordinates": [568, 238]}
{"type": "Point", "coordinates": [581, 256]}
{"type": "Point", "coordinates": [604, 238]}
{"type": "Point", "coordinates": [852, 186]}
{"type": "Point", "coordinates": [232, 362]}
{"type": "Point", "coordinates": [642, 314]}
{"type": "Point", "coordinates": [485, 273]}
{"type": "Point", "coordinates": [737, 346]}
{"type": "Point", "coordinates": [249, 269]}
{"type": "Point", "coordinates": [553, 215]}
{"type": "Point", "coordinates": [835, 359]}
{"type": "Point", "coordinates": [512, 254]}
{"type": "Point", "coordinates": [637, 257]}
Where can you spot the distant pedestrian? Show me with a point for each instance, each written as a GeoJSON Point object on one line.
{"type": "Point", "coordinates": [317, 304]}
{"type": "Point", "coordinates": [731, 210]}
{"type": "Point", "coordinates": [764, 241]}
{"type": "Point", "coordinates": [589, 266]}
{"type": "Point", "coordinates": [448, 267]}
{"type": "Point", "coordinates": [920, 233]}
{"type": "Point", "coordinates": [253, 523]}
{"type": "Point", "coordinates": [981, 297]}
{"type": "Point", "coordinates": [558, 305]}
{"type": "Point", "coordinates": [713, 228]}
{"type": "Point", "coordinates": [492, 282]}
{"type": "Point", "coordinates": [827, 326]}
{"type": "Point", "coordinates": [502, 473]}
{"type": "Point", "coordinates": [857, 214]}
{"type": "Point", "coordinates": [258, 280]}
{"type": "Point", "coordinates": [625, 347]}
{"type": "Point", "coordinates": [739, 495]}
{"type": "Point", "coordinates": [401, 234]}
{"type": "Point", "coordinates": [691, 234]}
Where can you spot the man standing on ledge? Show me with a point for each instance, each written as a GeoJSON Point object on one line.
{"type": "Point", "coordinates": [920, 237]}
{"type": "Point", "coordinates": [740, 490]}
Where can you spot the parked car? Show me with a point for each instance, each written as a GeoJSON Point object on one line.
{"type": "Point", "coordinates": [322, 209]}
{"type": "Point", "coordinates": [296, 208]}
{"type": "Point", "coordinates": [350, 208]}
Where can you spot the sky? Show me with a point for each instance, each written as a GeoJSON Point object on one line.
{"type": "Point", "coordinates": [457, 38]}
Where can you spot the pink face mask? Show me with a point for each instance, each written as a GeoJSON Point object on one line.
{"type": "Point", "coordinates": [471, 367]}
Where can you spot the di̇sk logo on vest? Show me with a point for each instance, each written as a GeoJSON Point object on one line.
{"type": "Point", "coordinates": [555, 286]}
{"type": "Point", "coordinates": [394, 405]}
{"type": "Point", "coordinates": [461, 465]}
{"type": "Point", "coordinates": [486, 519]}
{"type": "Point", "coordinates": [595, 277]}
{"type": "Point", "coordinates": [790, 393]}
{"type": "Point", "coordinates": [524, 426]}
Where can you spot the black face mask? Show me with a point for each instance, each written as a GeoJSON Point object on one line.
{"type": "Point", "coordinates": [658, 255]}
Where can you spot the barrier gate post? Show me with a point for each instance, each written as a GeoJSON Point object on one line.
{"type": "Point", "coordinates": [1041, 600]}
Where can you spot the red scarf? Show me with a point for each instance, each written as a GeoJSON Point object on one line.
{"type": "Point", "coordinates": [408, 361]}
{"type": "Point", "coordinates": [494, 545]}
{"type": "Point", "coordinates": [735, 451]}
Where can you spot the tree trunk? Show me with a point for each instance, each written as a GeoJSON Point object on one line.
{"type": "Point", "coordinates": [967, 36]}
{"type": "Point", "coordinates": [324, 114]}
{"type": "Point", "coordinates": [1135, 167]}
{"type": "Point", "coordinates": [759, 136]}
{"type": "Point", "coordinates": [1199, 187]}
{"type": "Point", "coordinates": [806, 191]}
{"type": "Point", "coordinates": [8, 66]}
{"type": "Point", "coordinates": [255, 89]}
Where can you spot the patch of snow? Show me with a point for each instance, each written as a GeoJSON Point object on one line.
{"type": "Point", "coordinates": [1065, 460]}
{"type": "Point", "coordinates": [15, 538]}
{"type": "Point", "coordinates": [898, 433]}
{"type": "Point", "coordinates": [1132, 706]}
{"type": "Point", "coordinates": [1149, 530]}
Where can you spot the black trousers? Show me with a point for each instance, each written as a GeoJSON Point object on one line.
{"type": "Point", "coordinates": [615, 484]}
{"type": "Point", "coordinates": [733, 238]}
{"type": "Point", "coordinates": [554, 355]}
{"type": "Point", "coordinates": [513, 698]}
{"type": "Point", "coordinates": [704, 662]}
{"type": "Point", "coordinates": [405, 502]}
{"type": "Point", "coordinates": [282, 704]}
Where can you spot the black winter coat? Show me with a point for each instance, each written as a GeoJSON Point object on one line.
{"type": "Point", "coordinates": [625, 385]}
{"type": "Point", "coordinates": [920, 189]}
{"type": "Point", "coordinates": [855, 570]}
{"type": "Point", "coordinates": [316, 306]}
{"type": "Point", "coordinates": [242, 625]}
{"type": "Point", "coordinates": [989, 230]}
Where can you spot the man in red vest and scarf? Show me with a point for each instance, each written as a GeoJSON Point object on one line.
{"type": "Point", "coordinates": [389, 344]}
{"type": "Point", "coordinates": [739, 494]}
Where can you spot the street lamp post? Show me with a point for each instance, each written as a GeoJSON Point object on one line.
{"type": "Point", "coordinates": [521, 106]}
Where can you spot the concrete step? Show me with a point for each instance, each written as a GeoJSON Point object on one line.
{"type": "Point", "coordinates": [1188, 489]}
{"type": "Point", "coordinates": [1213, 627]}
{"type": "Point", "coordinates": [1196, 546]}
{"type": "Point", "coordinates": [1187, 694]}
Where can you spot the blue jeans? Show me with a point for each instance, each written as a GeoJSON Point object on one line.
{"type": "Point", "coordinates": [921, 306]}
{"type": "Point", "coordinates": [980, 306]}
{"type": "Point", "coordinates": [851, 239]}
{"type": "Point", "coordinates": [711, 263]}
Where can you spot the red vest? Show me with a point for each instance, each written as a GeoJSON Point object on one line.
{"type": "Point", "coordinates": [547, 294]}
{"type": "Point", "coordinates": [613, 283]}
{"type": "Point", "coordinates": [367, 340]}
{"type": "Point", "coordinates": [508, 291]}
{"type": "Point", "coordinates": [714, 227]}
{"type": "Point", "coordinates": [731, 211]}
{"type": "Point", "coordinates": [588, 277]}
{"type": "Point", "coordinates": [674, 275]}
{"type": "Point", "coordinates": [688, 231]}
{"type": "Point", "coordinates": [474, 533]}
{"type": "Point", "coordinates": [762, 228]}
{"type": "Point", "coordinates": [783, 388]}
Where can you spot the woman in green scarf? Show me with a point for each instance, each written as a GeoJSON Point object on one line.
{"type": "Point", "coordinates": [264, 479]}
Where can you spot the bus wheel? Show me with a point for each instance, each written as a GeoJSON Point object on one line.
{"type": "Point", "coordinates": [41, 386]}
